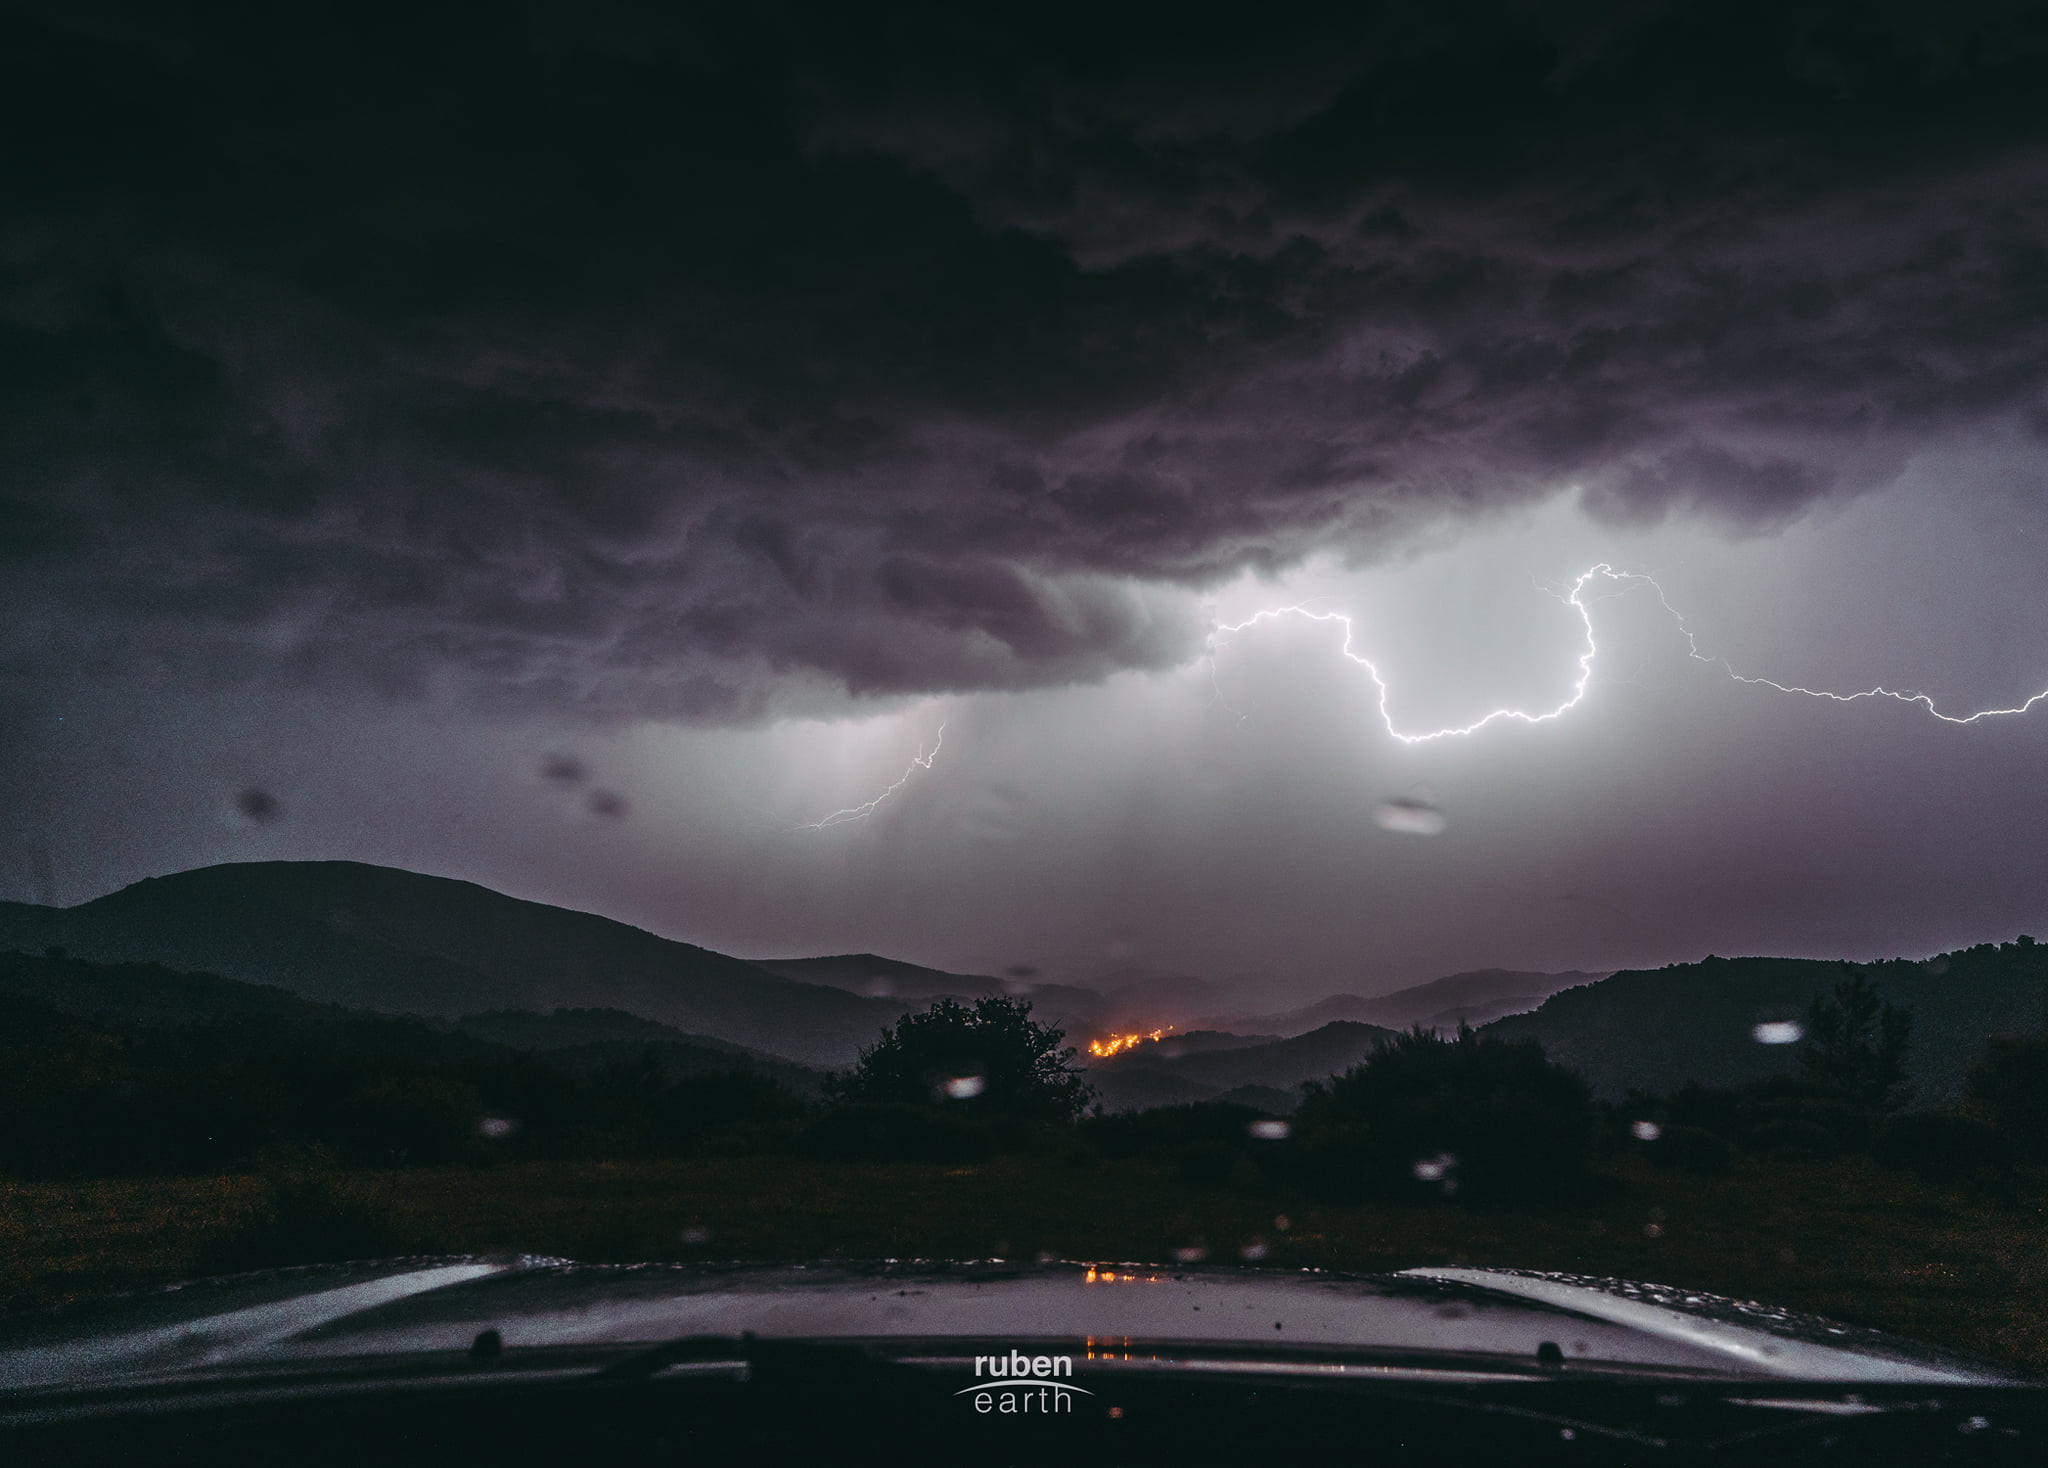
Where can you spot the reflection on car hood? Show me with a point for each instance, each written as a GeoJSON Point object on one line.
{"type": "Point", "coordinates": [405, 1308]}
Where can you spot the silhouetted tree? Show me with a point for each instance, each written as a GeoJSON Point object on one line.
{"type": "Point", "coordinates": [2008, 1087]}
{"type": "Point", "coordinates": [989, 1059]}
{"type": "Point", "coordinates": [1856, 1045]}
{"type": "Point", "coordinates": [1487, 1117]}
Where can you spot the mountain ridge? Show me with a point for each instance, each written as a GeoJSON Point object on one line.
{"type": "Point", "coordinates": [393, 941]}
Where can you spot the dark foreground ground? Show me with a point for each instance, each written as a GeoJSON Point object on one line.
{"type": "Point", "coordinates": [1841, 1238]}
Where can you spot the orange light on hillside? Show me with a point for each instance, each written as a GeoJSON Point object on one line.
{"type": "Point", "coordinates": [1117, 1044]}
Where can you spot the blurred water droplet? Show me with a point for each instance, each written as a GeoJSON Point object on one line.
{"type": "Point", "coordinates": [1193, 1254]}
{"type": "Point", "coordinates": [258, 807]}
{"type": "Point", "coordinates": [563, 769]}
{"type": "Point", "coordinates": [1646, 1131]}
{"type": "Point", "coordinates": [607, 803]}
{"type": "Point", "coordinates": [1253, 1252]}
{"type": "Point", "coordinates": [1282, 1223]}
{"type": "Point", "coordinates": [965, 1088]}
{"type": "Point", "coordinates": [1410, 815]}
{"type": "Point", "coordinates": [1434, 1169]}
{"type": "Point", "coordinates": [1779, 1032]}
{"type": "Point", "coordinates": [1653, 1230]}
{"type": "Point", "coordinates": [1270, 1131]}
{"type": "Point", "coordinates": [497, 1126]}
{"type": "Point", "coordinates": [695, 1234]}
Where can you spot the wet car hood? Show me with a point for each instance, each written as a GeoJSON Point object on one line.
{"type": "Point", "coordinates": [1121, 1316]}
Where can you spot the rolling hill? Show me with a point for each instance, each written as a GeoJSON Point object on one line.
{"type": "Point", "coordinates": [148, 996]}
{"type": "Point", "coordinates": [1475, 997]}
{"type": "Point", "coordinates": [402, 943]}
{"type": "Point", "coordinates": [1075, 1009]}
{"type": "Point", "coordinates": [1656, 1030]}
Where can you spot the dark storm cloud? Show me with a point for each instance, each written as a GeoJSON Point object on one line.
{"type": "Point", "coordinates": [644, 361]}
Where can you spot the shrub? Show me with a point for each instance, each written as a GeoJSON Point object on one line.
{"type": "Point", "coordinates": [2008, 1088]}
{"type": "Point", "coordinates": [1943, 1147]}
{"type": "Point", "coordinates": [1015, 1067]}
{"type": "Point", "coordinates": [1489, 1119]}
{"type": "Point", "coordinates": [1795, 1116]}
{"type": "Point", "coordinates": [1856, 1045]}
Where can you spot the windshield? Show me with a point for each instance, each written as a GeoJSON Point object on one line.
{"type": "Point", "coordinates": [1112, 642]}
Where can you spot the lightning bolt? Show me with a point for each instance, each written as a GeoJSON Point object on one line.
{"type": "Point", "coordinates": [1576, 600]}
{"type": "Point", "coordinates": [1878, 691]}
{"type": "Point", "coordinates": [921, 761]}
{"type": "Point", "coordinates": [1597, 576]}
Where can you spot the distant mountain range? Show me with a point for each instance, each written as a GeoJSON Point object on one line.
{"type": "Point", "coordinates": [149, 996]}
{"type": "Point", "coordinates": [875, 977]}
{"type": "Point", "coordinates": [531, 976]}
{"type": "Point", "coordinates": [398, 942]}
{"type": "Point", "coordinates": [1206, 1066]}
{"type": "Point", "coordinates": [1473, 998]}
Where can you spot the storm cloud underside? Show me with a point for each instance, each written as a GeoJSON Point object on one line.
{"type": "Point", "coordinates": [721, 368]}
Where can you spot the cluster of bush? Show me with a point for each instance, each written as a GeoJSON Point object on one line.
{"type": "Point", "coordinates": [1851, 1097]}
{"type": "Point", "coordinates": [1425, 1116]}
{"type": "Point", "coordinates": [1469, 1116]}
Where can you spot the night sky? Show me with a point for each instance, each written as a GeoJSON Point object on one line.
{"type": "Point", "coordinates": [579, 448]}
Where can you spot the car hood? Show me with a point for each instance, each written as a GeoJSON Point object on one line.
{"type": "Point", "coordinates": [1127, 1314]}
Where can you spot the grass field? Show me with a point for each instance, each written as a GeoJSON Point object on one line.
{"type": "Point", "coordinates": [1841, 1238]}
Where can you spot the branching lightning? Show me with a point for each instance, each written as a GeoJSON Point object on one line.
{"type": "Point", "coordinates": [1879, 691]}
{"type": "Point", "coordinates": [1601, 575]}
{"type": "Point", "coordinates": [1576, 600]}
{"type": "Point", "coordinates": [921, 761]}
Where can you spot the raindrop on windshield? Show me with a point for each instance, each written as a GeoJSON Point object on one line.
{"type": "Point", "coordinates": [1645, 1131]}
{"type": "Point", "coordinates": [965, 1088]}
{"type": "Point", "coordinates": [257, 806]}
{"type": "Point", "coordinates": [1434, 1169]}
{"type": "Point", "coordinates": [1778, 1032]}
{"type": "Point", "coordinates": [497, 1126]}
{"type": "Point", "coordinates": [1411, 815]}
{"type": "Point", "coordinates": [1270, 1131]}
